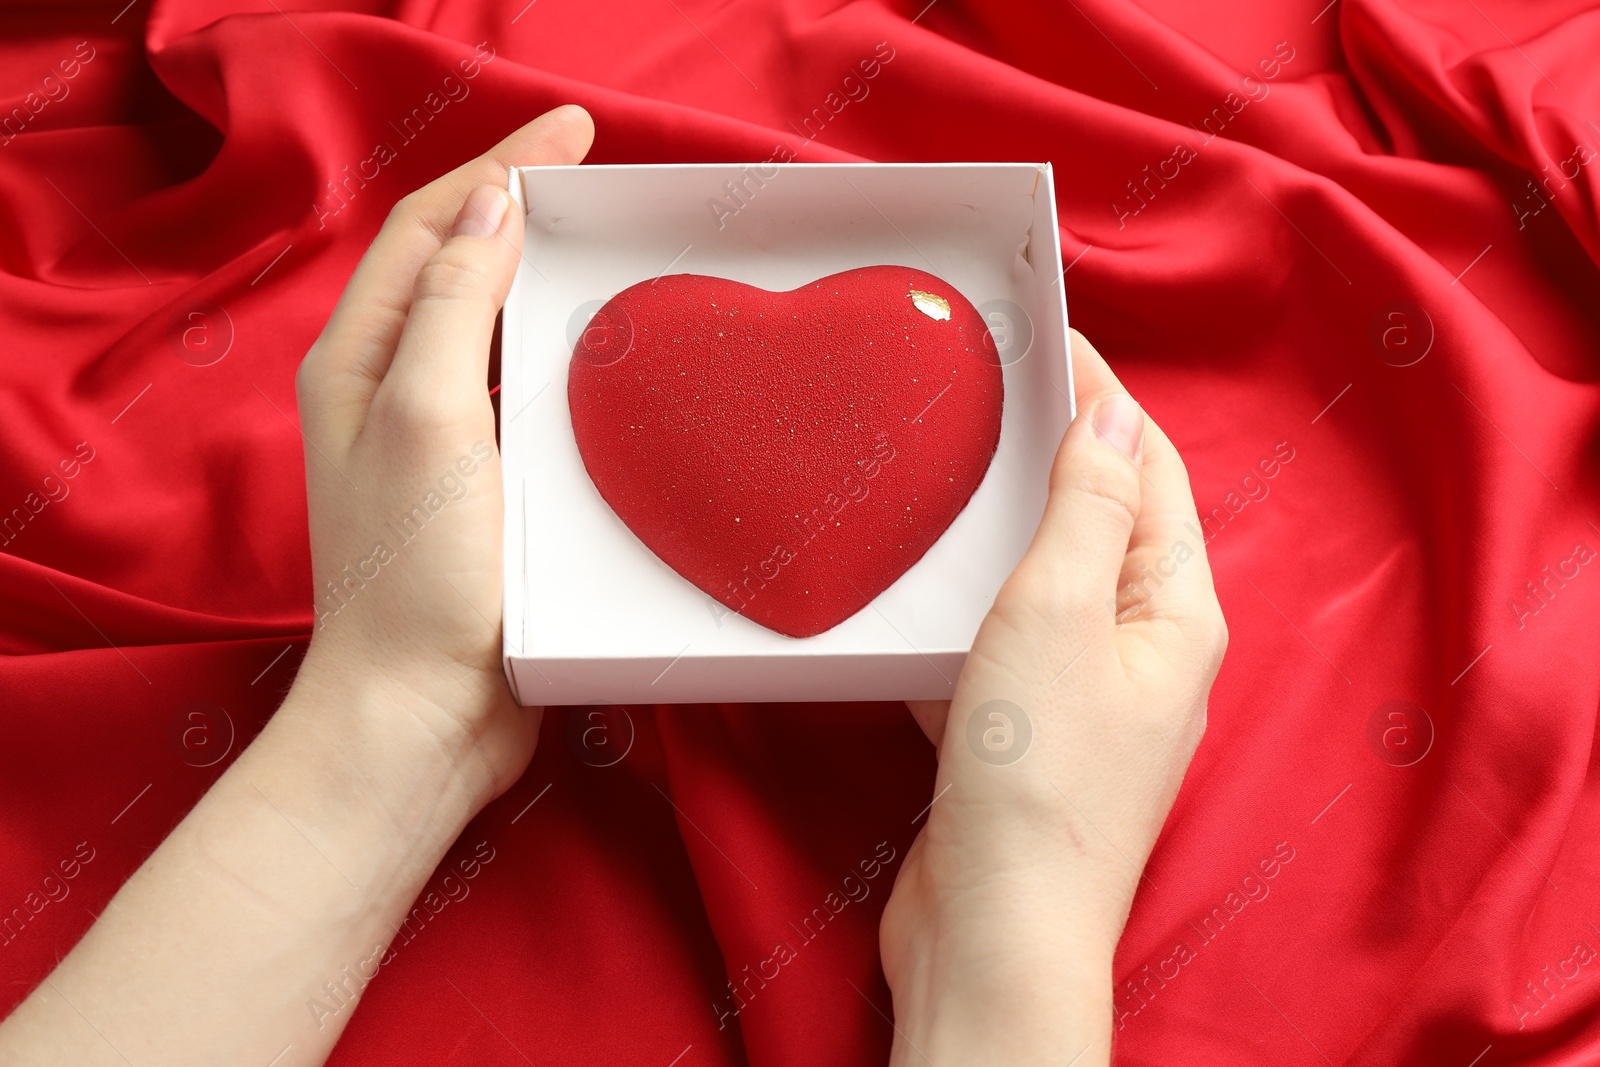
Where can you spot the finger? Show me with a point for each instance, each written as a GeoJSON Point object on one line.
{"type": "Point", "coordinates": [1092, 376]}
{"type": "Point", "coordinates": [441, 361]}
{"type": "Point", "coordinates": [930, 715]}
{"type": "Point", "coordinates": [345, 365]}
{"type": "Point", "coordinates": [1095, 497]}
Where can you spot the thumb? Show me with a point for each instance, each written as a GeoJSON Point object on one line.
{"type": "Point", "coordinates": [1093, 503]}
{"type": "Point", "coordinates": [442, 360]}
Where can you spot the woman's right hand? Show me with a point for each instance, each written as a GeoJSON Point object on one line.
{"type": "Point", "coordinates": [1073, 720]}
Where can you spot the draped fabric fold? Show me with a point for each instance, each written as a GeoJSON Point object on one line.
{"type": "Point", "coordinates": [1344, 254]}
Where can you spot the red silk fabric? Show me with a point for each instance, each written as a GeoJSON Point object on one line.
{"type": "Point", "coordinates": [1345, 256]}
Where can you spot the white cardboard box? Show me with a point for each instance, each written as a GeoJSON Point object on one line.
{"type": "Point", "coordinates": [591, 614]}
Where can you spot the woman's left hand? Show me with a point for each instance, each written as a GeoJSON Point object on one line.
{"type": "Point", "coordinates": [1077, 711]}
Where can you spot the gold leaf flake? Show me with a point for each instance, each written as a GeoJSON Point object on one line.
{"type": "Point", "coordinates": [930, 304]}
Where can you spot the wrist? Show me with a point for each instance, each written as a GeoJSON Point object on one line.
{"type": "Point", "coordinates": [1038, 1007]}
{"type": "Point", "coordinates": [1009, 967]}
{"type": "Point", "coordinates": [377, 743]}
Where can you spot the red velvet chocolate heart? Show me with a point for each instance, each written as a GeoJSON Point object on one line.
{"type": "Point", "coordinates": [792, 454]}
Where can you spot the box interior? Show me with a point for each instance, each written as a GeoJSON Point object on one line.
{"type": "Point", "coordinates": [584, 588]}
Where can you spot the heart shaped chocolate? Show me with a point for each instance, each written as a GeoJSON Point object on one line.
{"type": "Point", "coordinates": [792, 454]}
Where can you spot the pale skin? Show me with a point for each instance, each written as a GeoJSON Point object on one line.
{"type": "Point", "coordinates": [308, 851]}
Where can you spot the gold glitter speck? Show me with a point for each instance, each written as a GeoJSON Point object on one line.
{"type": "Point", "coordinates": [930, 304]}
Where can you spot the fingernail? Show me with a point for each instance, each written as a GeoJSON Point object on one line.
{"type": "Point", "coordinates": [1120, 423]}
{"type": "Point", "coordinates": [480, 216]}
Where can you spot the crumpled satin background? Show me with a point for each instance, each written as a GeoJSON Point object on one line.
{"type": "Point", "coordinates": [1411, 180]}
